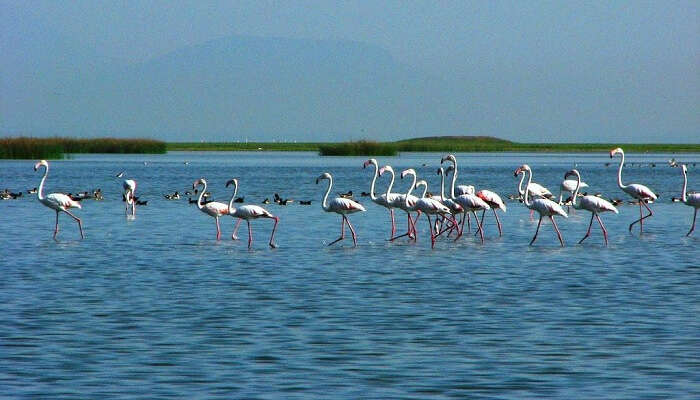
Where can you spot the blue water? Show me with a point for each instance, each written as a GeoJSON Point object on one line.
{"type": "Point", "coordinates": [155, 308]}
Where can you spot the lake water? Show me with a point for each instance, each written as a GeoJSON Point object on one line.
{"type": "Point", "coordinates": [156, 308]}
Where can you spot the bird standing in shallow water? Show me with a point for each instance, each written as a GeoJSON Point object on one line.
{"type": "Point", "coordinates": [213, 209]}
{"type": "Point", "coordinates": [340, 206]}
{"type": "Point", "coordinates": [544, 207]}
{"type": "Point", "coordinates": [57, 201]}
{"type": "Point", "coordinates": [247, 213]}
{"type": "Point", "coordinates": [640, 192]}
{"type": "Point", "coordinates": [594, 204]}
{"type": "Point", "coordinates": [692, 200]}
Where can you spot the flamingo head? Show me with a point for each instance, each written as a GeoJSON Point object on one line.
{"type": "Point", "coordinates": [384, 169]}
{"type": "Point", "coordinates": [573, 172]}
{"type": "Point", "coordinates": [198, 182]}
{"type": "Point", "coordinates": [368, 162]}
{"type": "Point", "coordinates": [521, 169]}
{"type": "Point", "coordinates": [409, 171]}
{"type": "Point", "coordinates": [449, 157]}
{"type": "Point", "coordinates": [615, 151]}
{"type": "Point", "coordinates": [440, 171]}
{"type": "Point", "coordinates": [233, 181]}
{"type": "Point", "coordinates": [324, 175]}
{"type": "Point", "coordinates": [40, 163]}
{"type": "Point", "coordinates": [684, 168]}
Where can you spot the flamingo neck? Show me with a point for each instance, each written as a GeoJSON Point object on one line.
{"type": "Point", "coordinates": [231, 208]}
{"type": "Point", "coordinates": [454, 180]}
{"type": "Point", "coordinates": [425, 189]}
{"type": "Point", "coordinates": [413, 185]}
{"type": "Point", "coordinates": [325, 197]}
{"type": "Point", "coordinates": [685, 185]}
{"type": "Point", "coordinates": [520, 185]}
{"type": "Point", "coordinates": [40, 191]}
{"type": "Point", "coordinates": [442, 184]}
{"type": "Point", "coordinates": [619, 172]}
{"type": "Point", "coordinates": [578, 186]}
{"type": "Point", "coordinates": [527, 188]}
{"type": "Point", "coordinates": [201, 194]}
{"type": "Point", "coordinates": [391, 184]}
{"type": "Point", "coordinates": [374, 180]}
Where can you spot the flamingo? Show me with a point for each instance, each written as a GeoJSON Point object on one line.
{"type": "Point", "coordinates": [594, 204]}
{"type": "Point", "coordinates": [640, 192]}
{"type": "Point", "coordinates": [213, 208]}
{"type": "Point", "coordinates": [399, 201]}
{"type": "Point", "coordinates": [57, 201]}
{"type": "Point", "coordinates": [544, 207]}
{"type": "Point", "coordinates": [340, 206]}
{"type": "Point", "coordinates": [494, 201]}
{"type": "Point", "coordinates": [384, 200]}
{"type": "Point", "coordinates": [454, 207]}
{"type": "Point", "coordinates": [247, 213]}
{"type": "Point", "coordinates": [692, 200]}
{"type": "Point", "coordinates": [428, 206]}
{"type": "Point", "coordinates": [129, 186]}
{"type": "Point", "coordinates": [569, 186]}
{"type": "Point", "coordinates": [469, 202]}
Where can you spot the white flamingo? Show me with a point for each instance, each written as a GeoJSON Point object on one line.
{"type": "Point", "coordinates": [454, 207]}
{"type": "Point", "coordinates": [544, 207]}
{"type": "Point", "coordinates": [385, 200]}
{"type": "Point", "coordinates": [427, 206]}
{"type": "Point", "coordinates": [57, 201]}
{"type": "Point", "coordinates": [692, 200]}
{"type": "Point", "coordinates": [594, 204]}
{"type": "Point", "coordinates": [213, 209]}
{"type": "Point", "coordinates": [399, 200]}
{"type": "Point", "coordinates": [639, 192]}
{"type": "Point", "coordinates": [469, 202]}
{"type": "Point", "coordinates": [248, 212]}
{"type": "Point", "coordinates": [340, 205]}
{"type": "Point", "coordinates": [569, 186]}
{"type": "Point", "coordinates": [494, 201]}
{"type": "Point", "coordinates": [129, 186]}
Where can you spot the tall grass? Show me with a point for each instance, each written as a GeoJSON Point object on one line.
{"type": "Point", "coordinates": [32, 148]}
{"type": "Point", "coordinates": [359, 148]}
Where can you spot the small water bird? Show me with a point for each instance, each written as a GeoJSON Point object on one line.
{"type": "Point", "coordinates": [340, 206]}
{"type": "Point", "coordinates": [56, 201]}
{"type": "Point", "coordinates": [247, 213]}
{"type": "Point", "coordinates": [639, 192]}
{"type": "Point", "coordinates": [594, 204]}
{"type": "Point", "coordinates": [692, 200]}
{"type": "Point", "coordinates": [213, 209]}
{"type": "Point", "coordinates": [545, 207]}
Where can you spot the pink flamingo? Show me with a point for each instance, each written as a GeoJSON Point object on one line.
{"type": "Point", "coordinates": [454, 207]}
{"type": "Point", "coordinates": [594, 204]}
{"type": "Point", "coordinates": [129, 186]}
{"type": "Point", "coordinates": [247, 213]}
{"type": "Point", "coordinates": [385, 200]}
{"type": "Point", "coordinates": [637, 191]}
{"type": "Point", "coordinates": [428, 206]}
{"type": "Point", "coordinates": [399, 200]}
{"type": "Point", "coordinates": [213, 208]}
{"type": "Point", "coordinates": [340, 205]}
{"type": "Point", "coordinates": [57, 201]}
{"type": "Point", "coordinates": [544, 207]}
{"type": "Point", "coordinates": [692, 200]}
{"type": "Point", "coordinates": [469, 202]}
{"type": "Point", "coordinates": [494, 201]}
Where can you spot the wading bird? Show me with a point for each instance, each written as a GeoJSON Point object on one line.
{"type": "Point", "coordinates": [427, 206]}
{"type": "Point", "coordinates": [594, 204]}
{"type": "Point", "coordinates": [398, 200]}
{"type": "Point", "coordinates": [639, 192]}
{"type": "Point", "coordinates": [129, 186]}
{"type": "Point", "coordinates": [340, 206]}
{"type": "Point", "coordinates": [213, 209]}
{"type": "Point", "coordinates": [692, 200]}
{"type": "Point", "coordinates": [247, 213]}
{"type": "Point", "coordinates": [545, 207]}
{"type": "Point", "coordinates": [385, 200]}
{"type": "Point", "coordinates": [469, 202]}
{"type": "Point", "coordinates": [57, 201]}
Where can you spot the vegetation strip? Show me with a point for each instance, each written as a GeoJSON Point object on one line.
{"type": "Point", "coordinates": [56, 148]}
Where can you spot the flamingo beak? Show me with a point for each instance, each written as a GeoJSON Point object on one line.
{"type": "Point", "coordinates": [366, 163]}
{"type": "Point", "coordinates": [317, 179]}
{"type": "Point", "coordinates": [517, 171]}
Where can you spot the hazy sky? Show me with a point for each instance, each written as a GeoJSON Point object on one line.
{"type": "Point", "coordinates": [524, 70]}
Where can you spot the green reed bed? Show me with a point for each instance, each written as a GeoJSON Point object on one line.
{"type": "Point", "coordinates": [56, 148]}
{"type": "Point", "coordinates": [359, 148]}
{"type": "Point", "coordinates": [243, 146]}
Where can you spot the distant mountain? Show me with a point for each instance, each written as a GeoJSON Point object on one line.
{"type": "Point", "coordinates": [226, 89]}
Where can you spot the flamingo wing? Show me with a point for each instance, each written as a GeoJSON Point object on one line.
{"type": "Point", "coordinates": [549, 207]}
{"type": "Point", "coordinates": [129, 184]}
{"type": "Point", "coordinates": [251, 212]}
{"type": "Point", "coordinates": [343, 205]}
{"type": "Point", "coordinates": [215, 208]}
{"type": "Point", "coordinates": [472, 202]}
{"type": "Point", "coordinates": [492, 198]}
{"type": "Point", "coordinates": [596, 204]}
{"type": "Point", "coordinates": [62, 201]}
{"type": "Point", "coordinates": [640, 191]}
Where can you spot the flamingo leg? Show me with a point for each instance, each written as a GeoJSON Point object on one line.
{"type": "Point", "coordinates": [352, 230]}
{"type": "Point", "coordinates": [641, 218]}
{"type": "Point", "coordinates": [605, 231]}
{"type": "Point", "coordinates": [250, 233]}
{"type": "Point", "coordinates": [272, 236]}
{"type": "Point", "coordinates": [469, 224]}
{"type": "Point", "coordinates": [80, 223]}
{"type": "Point", "coordinates": [588, 232]}
{"type": "Point", "coordinates": [480, 229]}
{"type": "Point", "coordinates": [460, 231]}
{"type": "Point", "coordinates": [414, 223]}
{"type": "Point", "coordinates": [556, 228]}
{"type": "Point", "coordinates": [342, 232]}
{"type": "Point", "coordinates": [393, 223]}
{"type": "Point", "coordinates": [483, 214]}
{"type": "Point", "coordinates": [218, 229]}
{"type": "Point", "coordinates": [498, 222]}
{"type": "Point", "coordinates": [536, 231]}
{"type": "Point", "coordinates": [692, 228]}
{"type": "Point", "coordinates": [235, 229]}
{"type": "Point", "coordinates": [55, 231]}
{"type": "Point", "coordinates": [430, 225]}
{"type": "Point", "coordinates": [408, 232]}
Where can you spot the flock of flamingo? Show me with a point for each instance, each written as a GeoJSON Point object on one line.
{"type": "Point", "coordinates": [449, 212]}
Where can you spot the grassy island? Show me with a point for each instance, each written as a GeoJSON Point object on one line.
{"type": "Point", "coordinates": [56, 148]}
